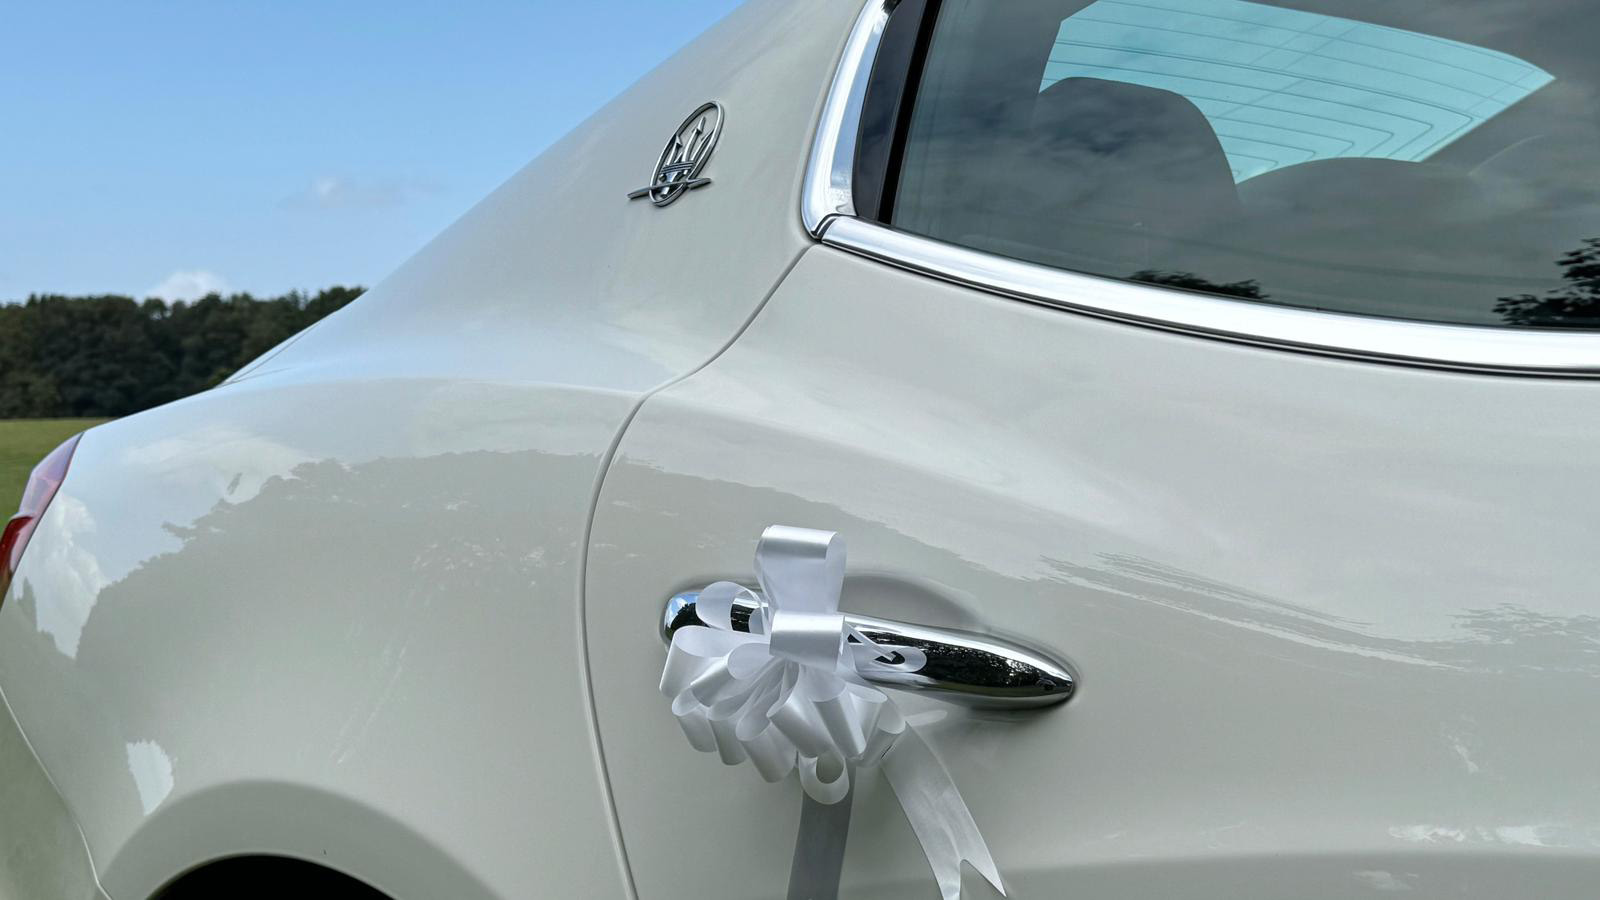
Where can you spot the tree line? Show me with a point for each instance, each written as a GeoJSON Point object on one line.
{"type": "Point", "coordinates": [109, 355]}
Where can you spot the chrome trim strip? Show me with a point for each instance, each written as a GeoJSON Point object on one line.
{"type": "Point", "coordinates": [829, 215]}
{"type": "Point", "coordinates": [1462, 347]}
{"type": "Point", "coordinates": [826, 194]}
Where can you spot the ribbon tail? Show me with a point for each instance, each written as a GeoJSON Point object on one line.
{"type": "Point", "coordinates": [939, 817]}
{"type": "Point", "coordinates": [819, 848]}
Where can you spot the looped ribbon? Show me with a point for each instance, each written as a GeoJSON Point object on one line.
{"type": "Point", "coordinates": [789, 694]}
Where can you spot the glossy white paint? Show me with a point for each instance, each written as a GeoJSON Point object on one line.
{"type": "Point", "coordinates": [1335, 621]}
{"type": "Point", "coordinates": [331, 609]}
{"type": "Point", "coordinates": [41, 850]}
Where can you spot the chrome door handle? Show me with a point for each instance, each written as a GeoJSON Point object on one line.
{"type": "Point", "coordinates": [960, 666]}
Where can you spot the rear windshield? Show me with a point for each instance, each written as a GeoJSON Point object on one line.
{"type": "Point", "coordinates": [1420, 159]}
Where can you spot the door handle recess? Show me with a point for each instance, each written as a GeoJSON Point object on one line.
{"type": "Point", "coordinates": [959, 666]}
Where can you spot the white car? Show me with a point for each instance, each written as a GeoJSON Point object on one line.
{"type": "Point", "coordinates": [1234, 359]}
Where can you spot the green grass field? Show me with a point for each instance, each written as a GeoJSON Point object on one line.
{"type": "Point", "coordinates": [23, 442]}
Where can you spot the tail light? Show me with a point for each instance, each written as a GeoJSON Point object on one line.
{"type": "Point", "coordinates": [42, 486]}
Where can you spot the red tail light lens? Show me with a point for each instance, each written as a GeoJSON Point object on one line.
{"type": "Point", "coordinates": [42, 486]}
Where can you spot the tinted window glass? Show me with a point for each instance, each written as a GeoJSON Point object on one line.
{"type": "Point", "coordinates": [1432, 159]}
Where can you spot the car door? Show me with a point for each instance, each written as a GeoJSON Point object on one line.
{"type": "Point", "coordinates": [1260, 442]}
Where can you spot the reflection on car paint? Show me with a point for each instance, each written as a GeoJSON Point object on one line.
{"type": "Point", "coordinates": [151, 768]}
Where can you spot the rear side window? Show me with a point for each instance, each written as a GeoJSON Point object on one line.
{"type": "Point", "coordinates": [1435, 160]}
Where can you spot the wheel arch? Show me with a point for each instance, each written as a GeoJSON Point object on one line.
{"type": "Point", "coordinates": [278, 873]}
{"type": "Point", "coordinates": [244, 832]}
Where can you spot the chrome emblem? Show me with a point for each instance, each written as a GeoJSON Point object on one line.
{"type": "Point", "coordinates": [678, 169]}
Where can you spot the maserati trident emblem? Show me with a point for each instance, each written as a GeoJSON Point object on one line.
{"type": "Point", "coordinates": [678, 170]}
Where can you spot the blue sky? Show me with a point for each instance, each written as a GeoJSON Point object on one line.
{"type": "Point", "coordinates": [276, 144]}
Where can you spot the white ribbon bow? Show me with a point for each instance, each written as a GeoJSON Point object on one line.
{"type": "Point", "coordinates": [789, 693]}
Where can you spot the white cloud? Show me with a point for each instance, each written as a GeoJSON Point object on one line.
{"type": "Point", "coordinates": [335, 192]}
{"type": "Point", "coordinates": [189, 285]}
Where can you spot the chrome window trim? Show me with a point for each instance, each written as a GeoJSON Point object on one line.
{"type": "Point", "coordinates": [828, 212]}
{"type": "Point", "coordinates": [827, 192]}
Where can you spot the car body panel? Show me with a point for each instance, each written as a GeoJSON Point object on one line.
{"type": "Point", "coordinates": [44, 855]}
{"type": "Point", "coordinates": [330, 609]}
{"type": "Point", "coordinates": [229, 596]}
{"type": "Point", "coordinates": [1335, 621]}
